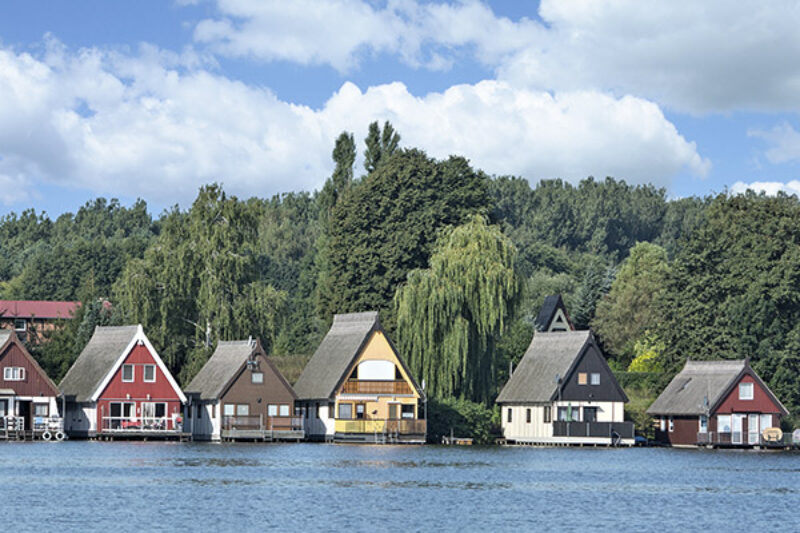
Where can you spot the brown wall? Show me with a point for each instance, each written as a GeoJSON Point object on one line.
{"type": "Point", "coordinates": [258, 396]}
{"type": "Point", "coordinates": [35, 383]}
{"type": "Point", "coordinates": [684, 432]}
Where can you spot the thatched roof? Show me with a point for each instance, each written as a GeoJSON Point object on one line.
{"type": "Point", "coordinates": [550, 354]}
{"type": "Point", "coordinates": [96, 360]}
{"type": "Point", "coordinates": [224, 366]}
{"type": "Point", "coordinates": [701, 386]}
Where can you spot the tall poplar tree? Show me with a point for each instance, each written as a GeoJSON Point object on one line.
{"type": "Point", "coordinates": [450, 315]}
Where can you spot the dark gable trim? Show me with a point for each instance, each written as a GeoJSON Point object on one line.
{"type": "Point", "coordinates": [747, 371]}
{"type": "Point", "coordinates": [576, 362]}
{"type": "Point", "coordinates": [257, 350]}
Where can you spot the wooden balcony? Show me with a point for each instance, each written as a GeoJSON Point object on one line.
{"type": "Point", "coordinates": [402, 426]}
{"type": "Point", "coordinates": [368, 386]}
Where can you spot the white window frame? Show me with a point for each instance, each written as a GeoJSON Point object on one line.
{"type": "Point", "coordinates": [671, 423]}
{"type": "Point", "coordinates": [722, 421]}
{"type": "Point", "coordinates": [242, 409]}
{"type": "Point", "coordinates": [594, 378]}
{"type": "Point", "coordinates": [272, 409]}
{"type": "Point", "coordinates": [662, 424]}
{"type": "Point", "coordinates": [144, 373]}
{"type": "Point", "coordinates": [765, 418]}
{"type": "Point", "coordinates": [229, 409]}
{"type": "Point", "coordinates": [24, 324]}
{"type": "Point", "coordinates": [745, 386]}
{"type": "Point", "coordinates": [283, 410]}
{"type": "Point", "coordinates": [258, 381]}
{"type": "Point", "coordinates": [14, 373]}
{"type": "Point", "coordinates": [41, 405]}
{"type": "Point", "coordinates": [133, 374]}
{"type": "Point", "coordinates": [702, 424]}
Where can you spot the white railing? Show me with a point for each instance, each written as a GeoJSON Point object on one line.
{"type": "Point", "coordinates": [120, 423]}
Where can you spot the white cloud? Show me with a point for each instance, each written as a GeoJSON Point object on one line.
{"type": "Point", "coordinates": [784, 141]}
{"type": "Point", "coordinates": [159, 125]}
{"type": "Point", "coordinates": [771, 188]}
{"type": "Point", "coordinates": [691, 56]}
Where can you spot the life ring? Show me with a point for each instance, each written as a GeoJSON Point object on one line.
{"type": "Point", "coordinates": [47, 435]}
{"type": "Point", "coordinates": [60, 436]}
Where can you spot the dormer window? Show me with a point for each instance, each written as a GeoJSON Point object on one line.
{"type": "Point", "coordinates": [20, 324]}
{"type": "Point", "coordinates": [257, 377]}
{"type": "Point", "coordinates": [745, 391]}
{"type": "Point", "coordinates": [14, 373]}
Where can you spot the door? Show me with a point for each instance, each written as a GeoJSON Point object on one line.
{"type": "Point", "coordinates": [752, 429]}
{"type": "Point", "coordinates": [393, 411]}
{"type": "Point", "coordinates": [736, 430]}
{"type": "Point", "coordinates": [24, 410]}
{"type": "Point", "coordinates": [590, 414]}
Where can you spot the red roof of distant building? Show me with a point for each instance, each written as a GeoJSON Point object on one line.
{"type": "Point", "coordinates": [38, 309]}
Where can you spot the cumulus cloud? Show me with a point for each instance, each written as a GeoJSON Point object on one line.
{"type": "Point", "coordinates": [770, 188]}
{"type": "Point", "coordinates": [691, 56]}
{"type": "Point", "coordinates": [159, 125]}
{"type": "Point", "coordinates": [784, 142]}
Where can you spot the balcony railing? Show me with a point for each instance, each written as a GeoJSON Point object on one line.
{"type": "Point", "coordinates": [402, 426]}
{"type": "Point", "coordinates": [140, 424]}
{"type": "Point", "coordinates": [262, 423]}
{"type": "Point", "coordinates": [738, 438]}
{"type": "Point", "coordinates": [369, 386]}
{"type": "Point", "coordinates": [622, 430]}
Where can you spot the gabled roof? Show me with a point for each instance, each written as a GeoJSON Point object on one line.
{"type": "Point", "coordinates": [224, 366]}
{"type": "Point", "coordinates": [100, 359]}
{"type": "Point", "coordinates": [336, 353]}
{"type": "Point", "coordinates": [550, 354]}
{"type": "Point", "coordinates": [38, 309]}
{"type": "Point", "coordinates": [549, 311]}
{"type": "Point", "coordinates": [8, 337]}
{"type": "Point", "coordinates": [702, 385]}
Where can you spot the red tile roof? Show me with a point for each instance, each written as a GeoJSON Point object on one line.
{"type": "Point", "coordinates": [38, 309]}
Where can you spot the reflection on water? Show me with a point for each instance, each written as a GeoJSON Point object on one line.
{"type": "Point", "coordinates": [93, 486]}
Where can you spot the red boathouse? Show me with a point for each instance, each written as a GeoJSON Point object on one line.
{"type": "Point", "coordinates": [119, 386]}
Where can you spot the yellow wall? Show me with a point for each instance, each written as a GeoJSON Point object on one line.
{"type": "Point", "coordinates": [378, 348]}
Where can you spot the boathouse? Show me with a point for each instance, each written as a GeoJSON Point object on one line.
{"type": "Point", "coordinates": [120, 388]}
{"type": "Point", "coordinates": [357, 388]}
{"type": "Point", "coordinates": [239, 394]}
{"type": "Point", "coordinates": [28, 398]}
{"type": "Point", "coordinates": [563, 392]}
{"type": "Point", "coordinates": [553, 315]}
{"type": "Point", "coordinates": [718, 403]}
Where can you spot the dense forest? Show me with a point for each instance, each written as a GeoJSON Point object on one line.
{"type": "Point", "coordinates": [457, 262]}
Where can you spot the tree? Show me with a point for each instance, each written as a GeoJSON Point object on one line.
{"type": "Point", "coordinates": [595, 284]}
{"type": "Point", "coordinates": [380, 145]}
{"type": "Point", "coordinates": [450, 315]}
{"type": "Point", "coordinates": [388, 226]}
{"type": "Point", "coordinates": [629, 309]}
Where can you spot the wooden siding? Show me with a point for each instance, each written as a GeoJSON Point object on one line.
{"type": "Point", "coordinates": [761, 402]}
{"type": "Point", "coordinates": [35, 382]}
{"type": "Point", "coordinates": [684, 431]}
{"type": "Point", "coordinates": [591, 362]}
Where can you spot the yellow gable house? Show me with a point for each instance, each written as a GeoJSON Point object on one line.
{"type": "Point", "coordinates": [357, 388]}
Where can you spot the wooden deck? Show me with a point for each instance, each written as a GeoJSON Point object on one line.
{"type": "Point", "coordinates": [262, 435]}
{"type": "Point", "coordinates": [128, 434]}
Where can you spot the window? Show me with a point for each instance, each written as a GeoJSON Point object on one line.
{"type": "Point", "coordinates": [547, 414]}
{"type": "Point", "coordinates": [569, 414]}
{"type": "Point", "coordinates": [360, 411]}
{"type": "Point", "coordinates": [508, 415]}
{"type": "Point", "coordinates": [671, 424]}
{"type": "Point", "coordinates": [229, 409]}
{"type": "Point", "coordinates": [582, 378]}
{"type": "Point", "coordinates": [393, 410]}
{"type": "Point", "coordinates": [346, 411]}
{"type": "Point", "coordinates": [3, 408]}
{"type": "Point", "coordinates": [745, 391]}
{"type": "Point", "coordinates": [150, 373]}
{"type": "Point", "coordinates": [14, 373]}
{"type": "Point", "coordinates": [284, 410]}
{"type": "Point", "coordinates": [20, 324]}
{"type": "Point", "coordinates": [242, 409]}
{"type": "Point", "coordinates": [662, 424]}
{"type": "Point", "coordinates": [766, 422]}
{"type": "Point", "coordinates": [41, 409]}
{"type": "Point", "coordinates": [127, 373]}
{"type": "Point", "coordinates": [528, 416]}
{"type": "Point", "coordinates": [407, 411]}
{"type": "Point", "coordinates": [703, 424]}
{"type": "Point", "coordinates": [590, 414]}
{"type": "Point", "coordinates": [272, 410]}
{"type": "Point", "coordinates": [594, 379]}
{"type": "Point", "coordinates": [723, 423]}
{"type": "Point", "coordinates": [257, 378]}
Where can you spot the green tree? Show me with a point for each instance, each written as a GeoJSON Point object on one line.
{"type": "Point", "coordinates": [629, 308]}
{"type": "Point", "coordinates": [450, 315]}
{"type": "Point", "coordinates": [595, 284]}
{"type": "Point", "coordinates": [380, 145]}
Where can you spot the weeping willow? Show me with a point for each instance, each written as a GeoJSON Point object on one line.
{"type": "Point", "coordinates": [450, 315]}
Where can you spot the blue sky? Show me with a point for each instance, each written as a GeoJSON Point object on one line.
{"type": "Point", "coordinates": [154, 99]}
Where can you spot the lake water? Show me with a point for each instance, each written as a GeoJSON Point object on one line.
{"type": "Point", "coordinates": [97, 486]}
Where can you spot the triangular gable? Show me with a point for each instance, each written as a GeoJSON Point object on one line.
{"type": "Point", "coordinates": [590, 342]}
{"type": "Point", "coordinates": [553, 315]}
{"type": "Point", "coordinates": [14, 340]}
{"type": "Point", "coordinates": [747, 371]}
{"type": "Point", "coordinates": [139, 337]}
{"type": "Point", "coordinates": [257, 350]}
{"type": "Point", "coordinates": [409, 378]}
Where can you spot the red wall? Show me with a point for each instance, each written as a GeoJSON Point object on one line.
{"type": "Point", "coordinates": [117, 390]}
{"type": "Point", "coordinates": [34, 383]}
{"type": "Point", "coordinates": [761, 402]}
